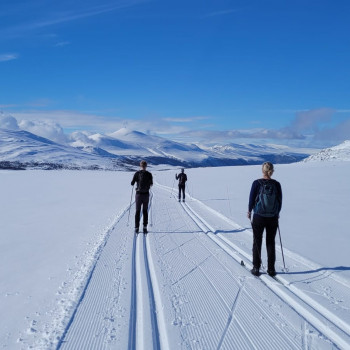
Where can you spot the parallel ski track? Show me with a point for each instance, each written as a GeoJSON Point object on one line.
{"type": "Point", "coordinates": [88, 278]}
{"type": "Point", "coordinates": [159, 332]}
{"type": "Point", "coordinates": [287, 253]}
{"type": "Point", "coordinates": [284, 340]}
{"type": "Point", "coordinates": [142, 268]}
{"type": "Point", "coordinates": [236, 253]}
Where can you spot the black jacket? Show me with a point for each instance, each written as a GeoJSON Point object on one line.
{"type": "Point", "coordinates": [144, 180]}
{"type": "Point", "coordinates": [182, 177]}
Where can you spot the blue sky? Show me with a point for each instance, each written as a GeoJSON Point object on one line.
{"type": "Point", "coordinates": [180, 67]}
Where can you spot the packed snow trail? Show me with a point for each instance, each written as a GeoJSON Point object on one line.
{"type": "Point", "coordinates": [322, 288]}
{"type": "Point", "coordinates": [315, 313]}
{"type": "Point", "coordinates": [107, 316]}
{"type": "Point", "coordinates": [179, 287]}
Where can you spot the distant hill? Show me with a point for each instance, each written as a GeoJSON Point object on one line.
{"type": "Point", "coordinates": [22, 149]}
{"type": "Point", "coordinates": [124, 148]}
{"type": "Point", "coordinates": [337, 153]}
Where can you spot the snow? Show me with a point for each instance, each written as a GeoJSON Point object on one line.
{"type": "Point", "coordinates": [91, 151]}
{"type": "Point", "coordinates": [337, 153]}
{"type": "Point", "coordinates": [76, 277]}
{"type": "Point", "coordinates": [23, 146]}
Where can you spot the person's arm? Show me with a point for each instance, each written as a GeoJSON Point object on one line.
{"type": "Point", "coordinates": [252, 197]}
{"type": "Point", "coordinates": [134, 179]}
{"type": "Point", "coordinates": [151, 183]}
{"type": "Point", "coordinates": [176, 177]}
{"type": "Point", "coordinates": [279, 190]}
{"type": "Point", "coordinates": [185, 177]}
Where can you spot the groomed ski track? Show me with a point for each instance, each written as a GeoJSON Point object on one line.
{"type": "Point", "coordinates": [182, 287]}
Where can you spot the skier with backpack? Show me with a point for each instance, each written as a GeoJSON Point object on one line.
{"type": "Point", "coordinates": [182, 177]}
{"type": "Point", "coordinates": [144, 180]}
{"type": "Point", "coordinates": [265, 201]}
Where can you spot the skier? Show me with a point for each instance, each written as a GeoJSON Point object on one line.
{"type": "Point", "coordinates": [182, 177]}
{"type": "Point", "coordinates": [266, 202]}
{"type": "Point", "coordinates": [144, 181]}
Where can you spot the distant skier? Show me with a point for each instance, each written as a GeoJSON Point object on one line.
{"type": "Point", "coordinates": [266, 202]}
{"type": "Point", "coordinates": [182, 177]}
{"type": "Point", "coordinates": [144, 180]}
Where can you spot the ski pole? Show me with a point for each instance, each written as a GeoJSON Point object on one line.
{"type": "Point", "coordinates": [132, 191]}
{"type": "Point", "coordinates": [279, 231]}
{"type": "Point", "coordinates": [151, 208]}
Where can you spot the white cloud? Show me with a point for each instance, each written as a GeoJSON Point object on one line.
{"type": "Point", "coordinates": [8, 57]}
{"type": "Point", "coordinates": [51, 124]}
{"type": "Point", "coordinates": [94, 122]}
{"type": "Point", "coordinates": [47, 129]}
{"type": "Point", "coordinates": [8, 122]}
{"type": "Point", "coordinates": [310, 120]}
{"type": "Point", "coordinates": [338, 133]}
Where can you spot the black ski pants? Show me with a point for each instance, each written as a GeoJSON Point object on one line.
{"type": "Point", "coordinates": [182, 189]}
{"type": "Point", "coordinates": [259, 224]}
{"type": "Point", "coordinates": [141, 200]}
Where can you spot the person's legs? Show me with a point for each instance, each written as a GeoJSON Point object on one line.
{"type": "Point", "coordinates": [183, 192]}
{"type": "Point", "coordinates": [179, 192]}
{"type": "Point", "coordinates": [271, 229]}
{"type": "Point", "coordinates": [145, 201]}
{"type": "Point", "coordinates": [258, 229]}
{"type": "Point", "coordinates": [138, 203]}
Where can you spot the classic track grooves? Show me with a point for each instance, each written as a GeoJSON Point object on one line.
{"type": "Point", "coordinates": [236, 253]}
{"type": "Point", "coordinates": [138, 299]}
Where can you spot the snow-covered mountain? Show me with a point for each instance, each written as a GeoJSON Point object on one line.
{"type": "Point", "coordinates": [158, 150]}
{"type": "Point", "coordinates": [337, 153]}
{"type": "Point", "coordinates": [124, 148]}
{"type": "Point", "coordinates": [22, 149]}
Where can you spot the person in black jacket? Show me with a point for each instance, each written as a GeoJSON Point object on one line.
{"type": "Point", "coordinates": [265, 201]}
{"type": "Point", "coordinates": [182, 177]}
{"type": "Point", "coordinates": [144, 180]}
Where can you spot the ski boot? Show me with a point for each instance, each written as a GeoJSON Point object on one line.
{"type": "Point", "coordinates": [255, 271]}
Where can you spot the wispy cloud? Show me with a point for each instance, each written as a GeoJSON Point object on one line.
{"type": "Point", "coordinates": [73, 120]}
{"type": "Point", "coordinates": [219, 13]}
{"type": "Point", "coordinates": [59, 17]}
{"type": "Point", "coordinates": [311, 119]}
{"type": "Point", "coordinates": [7, 106]}
{"type": "Point", "coordinates": [8, 57]}
{"type": "Point", "coordinates": [40, 102]}
{"type": "Point", "coordinates": [62, 43]}
{"type": "Point", "coordinates": [337, 133]}
{"type": "Point", "coordinates": [343, 110]}
{"type": "Point", "coordinates": [185, 120]}
{"type": "Point", "coordinates": [311, 127]}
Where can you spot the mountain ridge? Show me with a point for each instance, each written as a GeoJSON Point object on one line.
{"type": "Point", "coordinates": [339, 152]}
{"type": "Point", "coordinates": [124, 148]}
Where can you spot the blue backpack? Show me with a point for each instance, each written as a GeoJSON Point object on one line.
{"type": "Point", "coordinates": [267, 203]}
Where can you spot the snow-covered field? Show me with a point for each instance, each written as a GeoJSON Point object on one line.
{"type": "Point", "coordinates": [74, 276]}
